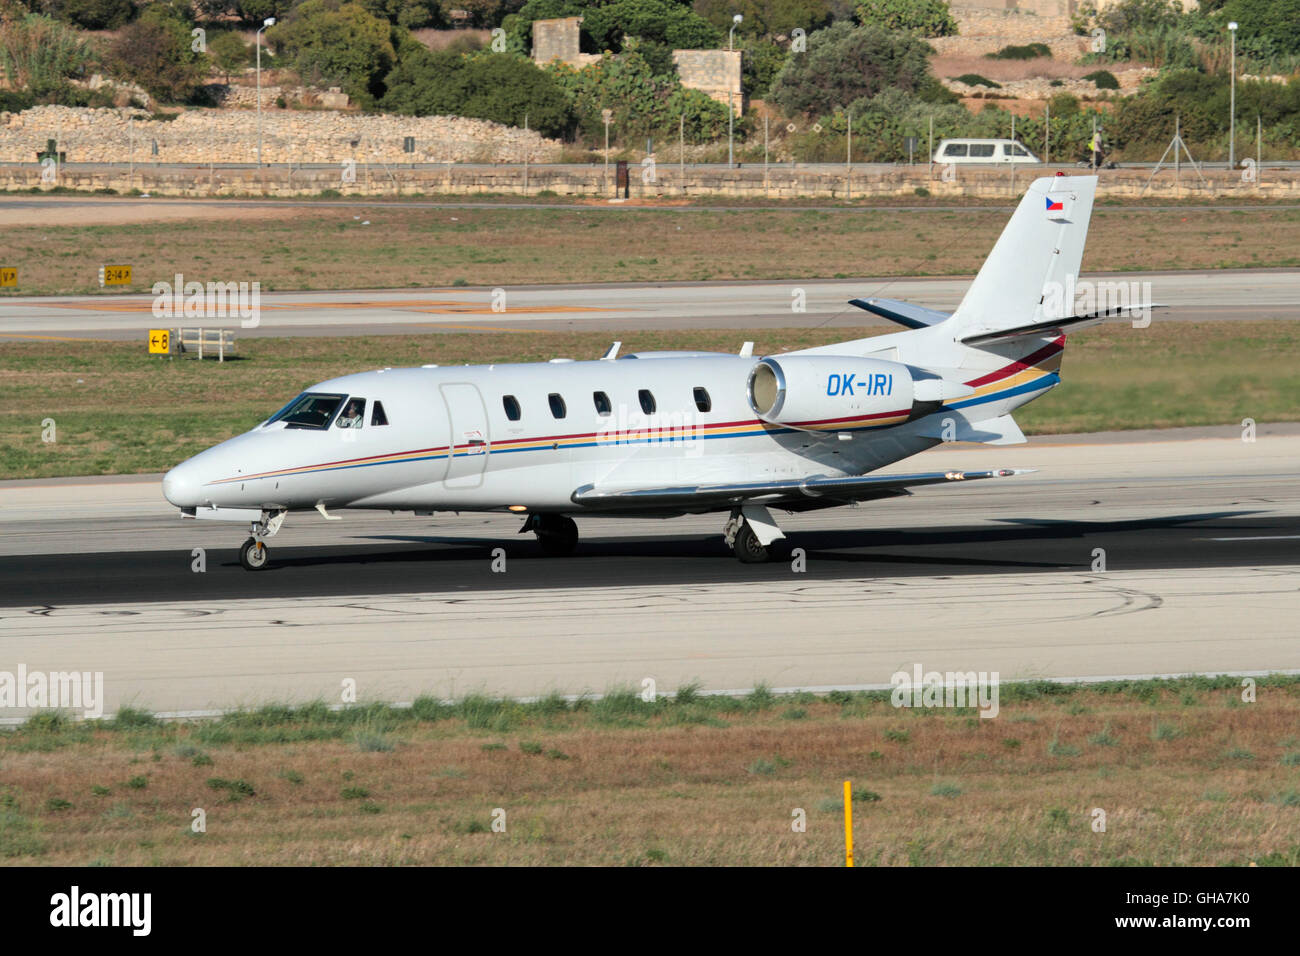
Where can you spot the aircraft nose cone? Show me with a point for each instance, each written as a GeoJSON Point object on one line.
{"type": "Point", "coordinates": [180, 486]}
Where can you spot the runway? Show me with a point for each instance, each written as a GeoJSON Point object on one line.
{"type": "Point", "coordinates": [620, 308]}
{"type": "Point", "coordinates": [1199, 538]}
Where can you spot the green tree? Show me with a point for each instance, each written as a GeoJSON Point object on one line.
{"type": "Point", "coordinates": [254, 13]}
{"type": "Point", "coordinates": [501, 87]}
{"type": "Point", "coordinates": [92, 14]}
{"type": "Point", "coordinates": [927, 18]}
{"type": "Point", "coordinates": [605, 24]}
{"type": "Point", "coordinates": [39, 55]}
{"type": "Point", "coordinates": [1277, 21]}
{"type": "Point", "coordinates": [641, 103]}
{"type": "Point", "coordinates": [155, 53]}
{"type": "Point", "coordinates": [229, 52]}
{"type": "Point", "coordinates": [333, 43]}
{"type": "Point", "coordinates": [766, 18]}
{"type": "Point", "coordinates": [845, 63]}
{"type": "Point", "coordinates": [761, 61]}
{"type": "Point", "coordinates": [411, 14]}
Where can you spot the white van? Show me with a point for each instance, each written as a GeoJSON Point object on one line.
{"type": "Point", "coordinates": [982, 151]}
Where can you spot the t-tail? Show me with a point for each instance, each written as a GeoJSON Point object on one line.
{"type": "Point", "coordinates": [1028, 282]}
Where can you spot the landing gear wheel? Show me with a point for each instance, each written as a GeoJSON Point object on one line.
{"type": "Point", "coordinates": [747, 546]}
{"type": "Point", "coordinates": [254, 555]}
{"type": "Point", "coordinates": [557, 535]}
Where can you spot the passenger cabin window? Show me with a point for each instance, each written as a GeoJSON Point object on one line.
{"type": "Point", "coordinates": [511, 405]}
{"type": "Point", "coordinates": [955, 149]}
{"type": "Point", "coordinates": [981, 150]}
{"type": "Point", "coordinates": [702, 400]}
{"type": "Point", "coordinates": [309, 410]}
{"type": "Point", "coordinates": [353, 414]}
{"type": "Point", "coordinates": [558, 408]}
{"type": "Point", "coordinates": [601, 401]}
{"type": "Point", "coordinates": [647, 401]}
{"type": "Point", "coordinates": [377, 416]}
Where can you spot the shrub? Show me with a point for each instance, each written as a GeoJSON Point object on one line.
{"type": "Point", "coordinates": [845, 63]}
{"type": "Point", "coordinates": [339, 44]}
{"type": "Point", "coordinates": [501, 87]}
{"type": "Point", "coordinates": [155, 53]}
{"type": "Point", "coordinates": [229, 53]}
{"type": "Point", "coordinates": [675, 25]}
{"type": "Point", "coordinates": [410, 14]}
{"type": "Point", "coordinates": [93, 14]}
{"type": "Point", "coordinates": [40, 55]}
{"type": "Point", "coordinates": [927, 18]}
{"type": "Point", "coordinates": [1104, 80]}
{"type": "Point", "coordinates": [1030, 51]}
{"type": "Point", "coordinates": [766, 18]}
{"type": "Point", "coordinates": [641, 103]}
{"type": "Point", "coordinates": [974, 79]}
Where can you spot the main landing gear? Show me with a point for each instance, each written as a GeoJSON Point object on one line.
{"type": "Point", "coordinates": [254, 555]}
{"type": "Point", "coordinates": [749, 532]}
{"type": "Point", "coordinates": [557, 534]}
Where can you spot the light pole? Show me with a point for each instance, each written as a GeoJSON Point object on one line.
{"type": "Point", "coordinates": [269, 22]}
{"type": "Point", "coordinates": [1232, 100]}
{"type": "Point", "coordinates": [736, 21]}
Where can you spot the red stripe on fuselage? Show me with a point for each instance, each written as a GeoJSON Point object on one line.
{"type": "Point", "coordinates": [1029, 361]}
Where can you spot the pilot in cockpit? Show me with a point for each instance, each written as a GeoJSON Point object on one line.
{"type": "Point", "coordinates": [351, 417]}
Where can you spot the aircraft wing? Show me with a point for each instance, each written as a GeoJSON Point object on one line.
{"type": "Point", "coordinates": [795, 494]}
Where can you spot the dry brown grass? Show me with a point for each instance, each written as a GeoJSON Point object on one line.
{"type": "Point", "coordinates": [330, 248]}
{"type": "Point", "coordinates": [654, 791]}
{"type": "Point", "coordinates": [1004, 71]}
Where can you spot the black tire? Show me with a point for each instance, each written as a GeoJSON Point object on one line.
{"type": "Point", "coordinates": [558, 535]}
{"type": "Point", "coordinates": [747, 547]}
{"type": "Point", "coordinates": [254, 555]}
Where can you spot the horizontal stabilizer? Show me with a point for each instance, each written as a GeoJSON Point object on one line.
{"type": "Point", "coordinates": [783, 493]}
{"type": "Point", "coordinates": [1054, 327]}
{"type": "Point", "coordinates": [992, 431]}
{"type": "Point", "coordinates": [904, 313]}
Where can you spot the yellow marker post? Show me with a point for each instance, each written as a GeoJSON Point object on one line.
{"type": "Point", "coordinates": [159, 341]}
{"type": "Point", "coordinates": [848, 824]}
{"type": "Point", "coordinates": [8, 277]}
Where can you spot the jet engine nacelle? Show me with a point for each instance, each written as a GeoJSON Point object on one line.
{"type": "Point", "coordinates": [827, 392]}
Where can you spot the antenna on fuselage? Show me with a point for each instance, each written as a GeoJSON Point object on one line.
{"type": "Point", "coordinates": [747, 349]}
{"type": "Point", "coordinates": [611, 353]}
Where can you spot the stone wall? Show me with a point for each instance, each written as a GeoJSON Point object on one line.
{"type": "Point", "coordinates": [670, 182]}
{"type": "Point", "coordinates": [556, 40]}
{"type": "Point", "coordinates": [560, 39]}
{"type": "Point", "coordinates": [288, 136]}
{"type": "Point", "coordinates": [715, 72]}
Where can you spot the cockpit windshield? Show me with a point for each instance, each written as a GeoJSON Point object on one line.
{"type": "Point", "coordinates": [309, 410]}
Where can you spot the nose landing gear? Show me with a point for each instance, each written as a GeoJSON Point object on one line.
{"type": "Point", "coordinates": [254, 555]}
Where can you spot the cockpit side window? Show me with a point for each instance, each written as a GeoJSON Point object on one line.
{"type": "Point", "coordinates": [309, 410]}
{"type": "Point", "coordinates": [353, 414]}
{"type": "Point", "coordinates": [377, 416]}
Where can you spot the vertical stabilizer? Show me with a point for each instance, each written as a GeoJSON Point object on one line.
{"type": "Point", "coordinates": [1035, 262]}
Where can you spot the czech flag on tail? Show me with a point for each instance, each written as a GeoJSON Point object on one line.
{"type": "Point", "coordinates": [1058, 207]}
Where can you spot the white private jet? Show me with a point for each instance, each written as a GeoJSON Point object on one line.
{"type": "Point", "coordinates": [660, 434]}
